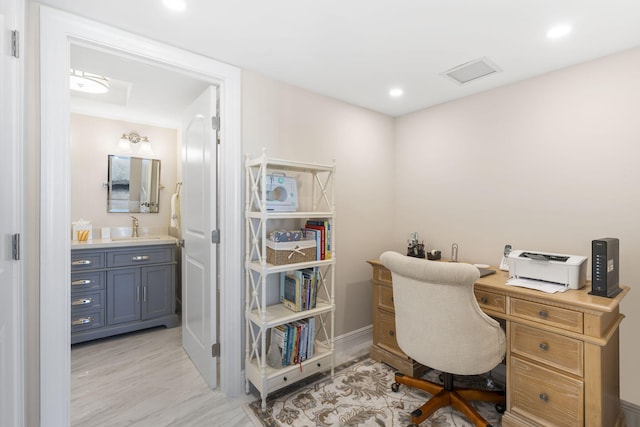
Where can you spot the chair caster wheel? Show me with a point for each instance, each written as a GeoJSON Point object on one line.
{"type": "Point", "coordinates": [500, 408]}
{"type": "Point", "coordinates": [395, 387]}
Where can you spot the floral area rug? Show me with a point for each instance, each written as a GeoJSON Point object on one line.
{"type": "Point", "coordinates": [360, 395]}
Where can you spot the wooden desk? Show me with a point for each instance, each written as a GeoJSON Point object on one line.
{"type": "Point", "coordinates": [562, 350]}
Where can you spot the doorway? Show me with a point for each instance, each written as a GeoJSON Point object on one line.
{"type": "Point", "coordinates": [58, 30]}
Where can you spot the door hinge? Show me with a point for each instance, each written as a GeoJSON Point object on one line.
{"type": "Point", "coordinates": [215, 350]}
{"type": "Point", "coordinates": [15, 244]}
{"type": "Point", "coordinates": [215, 125]}
{"type": "Point", "coordinates": [215, 236]}
{"type": "Point", "coordinates": [15, 44]}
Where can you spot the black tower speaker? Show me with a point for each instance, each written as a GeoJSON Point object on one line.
{"type": "Point", "coordinates": [604, 267]}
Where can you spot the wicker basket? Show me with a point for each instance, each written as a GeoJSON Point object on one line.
{"type": "Point", "coordinates": [281, 253]}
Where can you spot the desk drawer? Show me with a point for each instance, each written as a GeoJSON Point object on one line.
{"type": "Point", "coordinates": [387, 332]}
{"type": "Point", "coordinates": [549, 398]}
{"type": "Point", "coordinates": [385, 298]}
{"type": "Point", "coordinates": [491, 301]}
{"type": "Point", "coordinates": [382, 274]}
{"type": "Point", "coordinates": [553, 316]}
{"type": "Point", "coordinates": [546, 347]}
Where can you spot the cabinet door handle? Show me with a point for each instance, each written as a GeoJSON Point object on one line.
{"type": "Point", "coordinates": [137, 293]}
{"type": "Point", "coordinates": [82, 262]}
{"type": "Point", "coordinates": [82, 321]}
{"type": "Point", "coordinates": [81, 282]}
{"type": "Point", "coordinates": [544, 346]}
{"type": "Point", "coordinates": [144, 294]}
{"type": "Point", "coordinates": [140, 258]}
{"type": "Point", "coordinates": [82, 301]}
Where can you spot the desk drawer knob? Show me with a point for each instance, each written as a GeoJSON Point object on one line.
{"type": "Point", "coordinates": [544, 346]}
{"type": "Point", "coordinates": [544, 397]}
{"type": "Point", "coordinates": [392, 333]}
{"type": "Point", "coordinates": [484, 300]}
{"type": "Point", "coordinates": [543, 314]}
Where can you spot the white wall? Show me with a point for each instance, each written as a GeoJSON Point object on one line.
{"type": "Point", "coordinates": [548, 164]}
{"type": "Point", "coordinates": [92, 140]}
{"type": "Point", "coordinates": [296, 124]}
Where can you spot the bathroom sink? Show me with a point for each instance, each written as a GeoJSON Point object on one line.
{"type": "Point", "coordinates": [134, 239]}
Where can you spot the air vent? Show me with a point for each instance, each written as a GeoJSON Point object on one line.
{"type": "Point", "coordinates": [472, 70]}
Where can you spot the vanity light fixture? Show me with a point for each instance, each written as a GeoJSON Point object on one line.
{"type": "Point", "coordinates": [87, 82]}
{"type": "Point", "coordinates": [126, 141]}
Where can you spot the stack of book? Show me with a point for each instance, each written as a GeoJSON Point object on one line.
{"type": "Point", "coordinates": [295, 341]}
{"type": "Point", "coordinates": [320, 230]}
{"type": "Point", "coordinates": [299, 289]}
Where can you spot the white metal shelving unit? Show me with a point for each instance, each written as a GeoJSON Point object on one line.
{"type": "Point", "coordinates": [260, 314]}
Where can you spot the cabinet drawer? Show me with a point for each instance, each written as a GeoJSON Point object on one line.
{"type": "Point", "coordinates": [290, 376]}
{"type": "Point", "coordinates": [88, 281]}
{"type": "Point", "coordinates": [386, 332]}
{"type": "Point", "coordinates": [553, 349]}
{"type": "Point", "coordinates": [382, 274]}
{"type": "Point", "coordinates": [88, 320]}
{"type": "Point", "coordinates": [491, 301]}
{"type": "Point", "coordinates": [85, 260]}
{"type": "Point", "coordinates": [87, 300]}
{"type": "Point", "coordinates": [139, 256]}
{"type": "Point", "coordinates": [385, 298]}
{"type": "Point", "coordinates": [553, 316]}
{"type": "Point", "coordinates": [549, 398]}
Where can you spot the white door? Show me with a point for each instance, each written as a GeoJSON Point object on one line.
{"type": "Point", "coordinates": [11, 369]}
{"type": "Point", "coordinates": [199, 255]}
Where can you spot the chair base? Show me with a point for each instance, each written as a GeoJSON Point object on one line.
{"type": "Point", "coordinates": [446, 395]}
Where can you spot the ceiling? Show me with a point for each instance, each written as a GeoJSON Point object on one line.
{"type": "Point", "coordinates": [357, 50]}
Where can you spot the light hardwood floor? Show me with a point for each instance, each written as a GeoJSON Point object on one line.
{"type": "Point", "coordinates": [145, 379]}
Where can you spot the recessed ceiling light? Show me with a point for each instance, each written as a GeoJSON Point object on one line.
{"type": "Point", "coordinates": [396, 92]}
{"type": "Point", "coordinates": [559, 31]}
{"type": "Point", "coordinates": [177, 5]}
{"type": "Point", "coordinates": [87, 82]}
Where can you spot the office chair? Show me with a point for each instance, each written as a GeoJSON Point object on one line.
{"type": "Point", "coordinates": [440, 325]}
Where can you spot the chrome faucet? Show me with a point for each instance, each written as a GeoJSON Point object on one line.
{"type": "Point", "coordinates": [134, 228]}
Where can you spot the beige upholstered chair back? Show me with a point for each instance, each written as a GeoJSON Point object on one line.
{"type": "Point", "coordinates": [438, 320]}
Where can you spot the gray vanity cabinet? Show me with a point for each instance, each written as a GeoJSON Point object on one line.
{"type": "Point", "coordinates": [118, 290]}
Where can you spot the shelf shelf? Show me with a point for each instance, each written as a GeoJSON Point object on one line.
{"type": "Point", "coordinates": [260, 317]}
{"type": "Point", "coordinates": [278, 314]}
{"type": "Point", "coordinates": [289, 165]}
{"type": "Point", "coordinates": [287, 215]}
{"type": "Point", "coordinates": [270, 268]}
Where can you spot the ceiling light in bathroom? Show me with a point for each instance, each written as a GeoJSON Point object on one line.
{"type": "Point", "coordinates": [87, 82]}
{"type": "Point", "coordinates": [177, 5]}
{"type": "Point", "coordinates": [396, 92]}
{"type": "Point", "coordinates": [559, 31]}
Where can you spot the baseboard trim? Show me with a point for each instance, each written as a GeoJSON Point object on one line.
{"type": "Point", "coordinates": [631, 413]}
{"type": "Point", "coordinates": [353, 344]}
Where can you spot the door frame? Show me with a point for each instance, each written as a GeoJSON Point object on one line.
{"type": "Point", "coordinates": [58, 30]}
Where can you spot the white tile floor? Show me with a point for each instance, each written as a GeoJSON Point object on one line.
{"type": "Point", "coordinates": [145, 379]}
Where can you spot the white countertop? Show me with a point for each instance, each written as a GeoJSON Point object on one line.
{"type": "Point", "coordinates": [120, 242]}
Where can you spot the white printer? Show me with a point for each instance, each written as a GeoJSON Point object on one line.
{"type": "Point", "coordinates": [567, 270]}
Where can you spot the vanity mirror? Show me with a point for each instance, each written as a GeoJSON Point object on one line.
{"type": "Point", "coordinates": [134, 184]}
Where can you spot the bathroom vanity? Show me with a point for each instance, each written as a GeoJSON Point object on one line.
{"type": "Point", "coordinates": [121, 286]}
